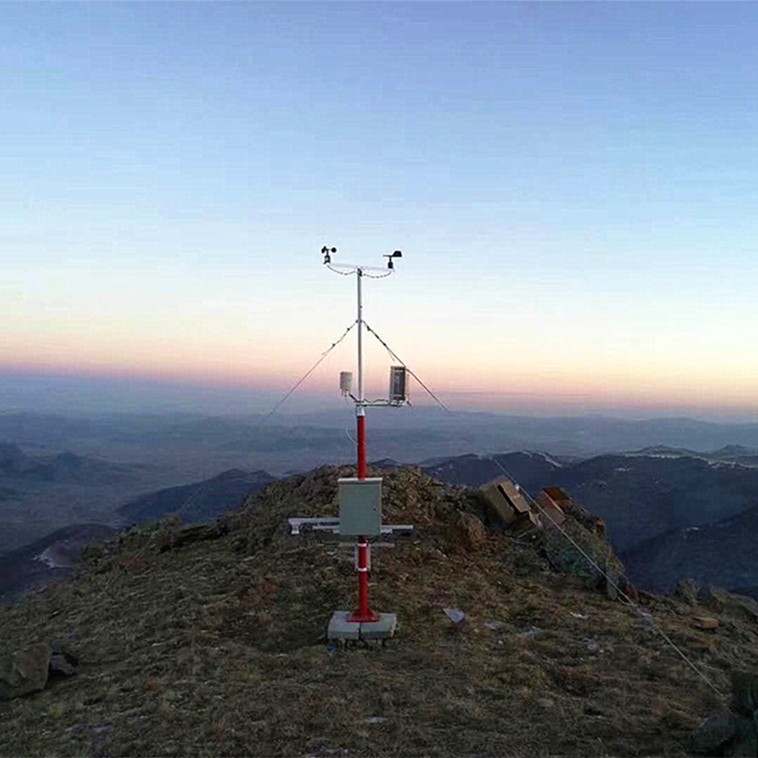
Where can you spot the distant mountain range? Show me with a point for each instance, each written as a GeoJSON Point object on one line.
{"type": "Point", "coordinates": [65, 467]}
{"type": "Point", "coordinates": [301, 441]}
{"type": "Point", "coordinates": [671, 513]}
{"type": "Point", "coordinates": [530, 469]}
{"type": "Point", "coordinates": [199, 501]}
{"type": "Point", "coordinates": [669, 509]}
{"type": "Point", "coordinates": [724, 553]}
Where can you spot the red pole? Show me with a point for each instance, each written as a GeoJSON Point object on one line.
{"type": "Point", "coordinates": [361, 445]}
{"type": "Point", "coordinates": [364, 612]}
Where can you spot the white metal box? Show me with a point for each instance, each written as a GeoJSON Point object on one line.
{"type": "Point", "coordinates": [360, 506]}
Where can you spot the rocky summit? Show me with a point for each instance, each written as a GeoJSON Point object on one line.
{"type": "Point", "coordinates": [211, 640]}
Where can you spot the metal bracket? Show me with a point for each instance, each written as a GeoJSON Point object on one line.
{"type": "Point", "coordinates": [298, 526]}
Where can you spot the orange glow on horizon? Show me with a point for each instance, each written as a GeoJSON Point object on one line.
{"type": "Point", "coordinates": [531, 388]}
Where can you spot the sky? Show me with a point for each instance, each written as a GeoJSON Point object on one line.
{"type": "Point", "coordinates": [573, 187]}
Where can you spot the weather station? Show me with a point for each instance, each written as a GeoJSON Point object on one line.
{"type": "Point", "coordinates": [360, 497]}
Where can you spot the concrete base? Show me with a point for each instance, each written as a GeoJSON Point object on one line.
{"type": "Point", "coordinates": [342, 629]}
{"type": "Point", "coordinates": [381, 629]}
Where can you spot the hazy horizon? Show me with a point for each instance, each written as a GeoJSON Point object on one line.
{"type": "Point", "coordinates": [92, 395]}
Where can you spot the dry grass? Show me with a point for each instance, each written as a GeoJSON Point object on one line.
{"type": "Point", "coordinates": [218, 648]}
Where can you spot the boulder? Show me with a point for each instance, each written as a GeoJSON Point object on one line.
{"type": "Point", "coordinates": [62, 647]}
{"type": "Point", "coordinates": [688, 590]}
{"type": "Point", "coordinates": [714, 734]}
{"type": "Point", "coordinates": [23, 671]}
{"type": "Point", "coordinates": [746, 741]}
{"type": "Point", "coordinates": [714, 598]}
{"type": "Point", "coordinates": [734, 732]}
{"type": "Point", "coordinates": [721, 601]}
{"type": "Point", "coordinates": [614, 578]}
{"type": "Point", "coordinates": [60, 665]}
{"type": "Point", "coordinates": [705, 622]}
{"type": "Point", "coordinates": [745, 693]}
{"type": "Point", "coordinates": [468, 531]}
{"type": "Point", "coordinates": [565, 558]}
{"type": "Point", "coordinates": [174, 536]}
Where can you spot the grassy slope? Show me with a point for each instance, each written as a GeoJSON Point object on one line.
{"type": "Point", "coordinates": [218, 648]}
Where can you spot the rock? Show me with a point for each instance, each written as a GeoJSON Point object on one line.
{"type": "Point", "coordinates": [23, 671]}
{"type": "Point", "coordinates": [735, 732]}
{"type": "Point", "coordinates": [534, 633]}
{"type": "Point", "coordinates": [592, 645]}
{"type": "Point", "coordinates": [745, 693]}
{"type": "Point", "coordinates": [60, 665]}
{"type": "Point", "coordinates": [746, 742]}
{"type": "Point", "coordinates": [688, 590]}
{"type": "Point", "coordinates": [705, 622]}
{"type": "Point", "coordinates": [613, 579]}
{"type": "Point", "coordinates": [494, 626]}
{"type": "Point", "coordinates": [714, 598]}
{"type": "Point", "coordinates": [721, 601]}
{"type": "Point", "coordinates": [104, 567]}
{"type": "Point", "coordinates": [456, 615]}
{"type": "Point", "coordinates": [565, 558]}
{"type": "Point", "coordinates": [714, 734]}
{"type": "Point", "coordinates": [630, 590]}
{"type": "Point", "coordinates": [644, 619]}
{"type": "Point", "coordinates": [62, 647]}
{"type": "Point", "coordinates": [175, 536]}
{"type": "Point", "coordinates": [468, 531]}
{"type": "Point", "coordinates": [744, 606]}
{"type": "Point", "coordinates": [92, 554]}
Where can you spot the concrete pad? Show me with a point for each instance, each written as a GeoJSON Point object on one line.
{"type": "Point", "coordinates": [382, 629]}
{"type": "Point", "coordinates": [342, 629]}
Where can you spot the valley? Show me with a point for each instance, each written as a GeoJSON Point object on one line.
{"type": "Point", "coordinates": [671, 511]}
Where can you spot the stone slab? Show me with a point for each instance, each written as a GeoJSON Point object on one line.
{"type": "Point", "coordinates": [342, 629]}
{"type": "Point", "coordinates": [382, 629]}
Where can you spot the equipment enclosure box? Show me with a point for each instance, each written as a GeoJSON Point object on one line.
{"type": "Point", "coordinates": [360, 507]}
{"type": "Point", "coordinates": [398, 385]}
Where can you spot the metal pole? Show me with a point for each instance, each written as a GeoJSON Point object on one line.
{"type": "Point", "coordinates": [360, 409]}
{"type": "Point", "coordinates": [364, 612]}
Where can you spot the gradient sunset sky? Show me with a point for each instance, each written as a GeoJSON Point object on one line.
{"type": "Point", "coordinates": [574, 187]}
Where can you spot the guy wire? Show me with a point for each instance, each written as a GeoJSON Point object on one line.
{"type": "Point", "coordinates": [394, 355]}
{"type": "Point", "coordinates": [308, 373]}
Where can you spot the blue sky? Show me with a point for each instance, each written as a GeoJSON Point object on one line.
{"type": "Point", "coordinates": [574, 186]}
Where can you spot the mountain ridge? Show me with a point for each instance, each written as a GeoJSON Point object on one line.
{"type": "Point", "coordinates": [196, 501]}
{"type": "Point", "coordinates": [181, 644]}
